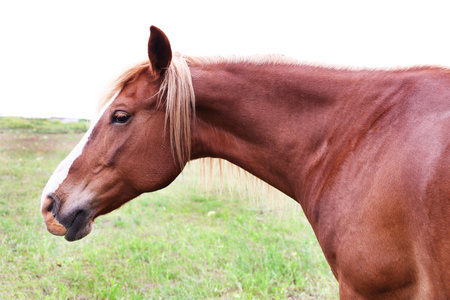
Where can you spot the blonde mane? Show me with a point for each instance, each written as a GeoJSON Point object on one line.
{"type": "Point", "coordinates": [180, 107]}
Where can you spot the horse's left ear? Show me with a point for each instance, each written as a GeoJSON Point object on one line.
{"type": "Point", "coordinates": [159, 52]}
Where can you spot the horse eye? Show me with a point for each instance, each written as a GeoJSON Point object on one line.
{"type": "Point", "coordinates": [120, 117]}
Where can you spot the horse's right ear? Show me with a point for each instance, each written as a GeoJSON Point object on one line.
{"type": "Point", "coordinates": [159, 52]}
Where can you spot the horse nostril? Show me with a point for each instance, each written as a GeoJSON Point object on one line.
{"type": "Point", "coordinates": [50, 207]}
{"type": "Point", "coordinates": [53, 202]}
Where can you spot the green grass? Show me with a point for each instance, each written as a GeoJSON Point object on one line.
{"type": "Point", "coordinates": [163, 245]}
{"type": "Point", "coordinates": [43, 125]}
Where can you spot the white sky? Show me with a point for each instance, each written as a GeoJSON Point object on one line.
{"type": "Point", "coordinates": [57, 56]}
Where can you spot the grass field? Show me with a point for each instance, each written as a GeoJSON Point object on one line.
{"type": "Point", "coordinates": [178, 243]}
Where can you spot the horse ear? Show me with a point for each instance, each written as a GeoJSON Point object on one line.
{"type": "Point", "coordinates": [159, 51]}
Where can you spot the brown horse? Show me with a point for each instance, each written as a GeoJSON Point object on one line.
{"type": "Point", "coordinates": [364, 152]}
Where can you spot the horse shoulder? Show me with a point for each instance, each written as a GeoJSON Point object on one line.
{"type": "Point", "coordinates": [385, 226]}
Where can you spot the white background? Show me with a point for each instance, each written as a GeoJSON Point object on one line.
{"type": "Point", "coordinates": [56, 57]}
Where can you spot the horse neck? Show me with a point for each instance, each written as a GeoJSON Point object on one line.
{"type": "Point", "coordinates": [278, 121]}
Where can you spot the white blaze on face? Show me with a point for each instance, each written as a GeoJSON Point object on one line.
{"type": "Point", "coordinates": [62, 170]}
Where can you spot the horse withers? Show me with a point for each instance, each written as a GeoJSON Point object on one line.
{"type": "Point", "coordinates": [364, 152]}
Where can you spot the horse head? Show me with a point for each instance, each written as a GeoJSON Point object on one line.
{"type": "Point", "coordinates": [126, 151]}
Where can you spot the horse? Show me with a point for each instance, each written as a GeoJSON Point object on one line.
{"type": "Point", "coordinates": [365, 152]}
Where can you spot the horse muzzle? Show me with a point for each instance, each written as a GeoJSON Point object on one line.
{"type": "Point", "coordinates": [73, 226]}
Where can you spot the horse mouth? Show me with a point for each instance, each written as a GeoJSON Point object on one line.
{"type": "Point", "coordinates": [73, 226]}
{"type": "Point", "coordinates": [79, 227]}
